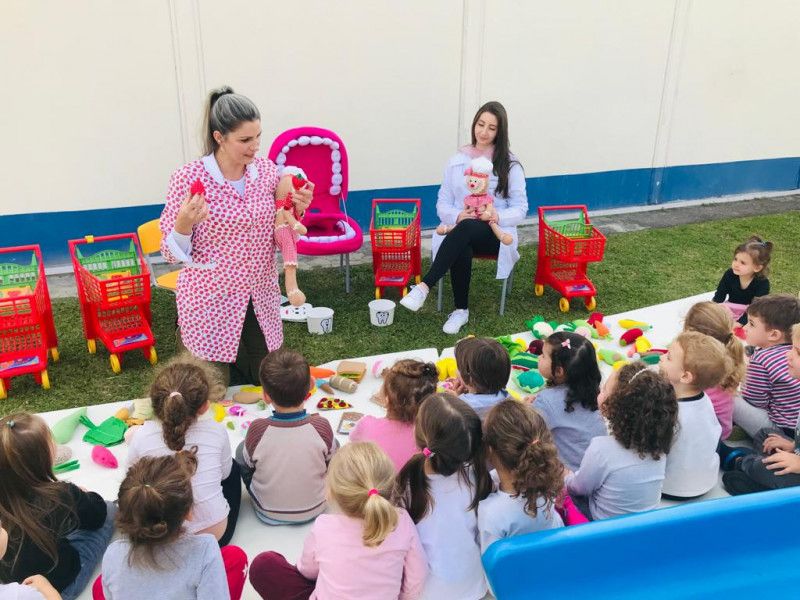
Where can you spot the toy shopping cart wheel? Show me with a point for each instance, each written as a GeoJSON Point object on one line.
{"type": "Point", "coordinates": [396, 250]}
{"type": "Point", "coordinates": [114, 295]}
{"type": "Point", "coordinates": [27, 330]}
{"type": "Point", "coordinates": [565, 248]}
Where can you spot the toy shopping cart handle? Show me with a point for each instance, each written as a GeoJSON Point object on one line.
{"type": "Point", "coordinates": [565, 208]}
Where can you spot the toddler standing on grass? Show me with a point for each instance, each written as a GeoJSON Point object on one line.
{"type": "Point", "coordinates": [623, 472]}
{"type": "Point", "coordinates": [405, 385]}
{"type": "Point", "coordinates": [569, 403]}
{"type": "Point", "coordinates": [441, 488]}
{"type": "Point", "coordinates": [694, 362]}
{"type": "Point", "coordinates": [531, 478]}
{"type": "Point", "coordinates": [181, 394]}
{"type": "Point", "coordinates": [715, 320]}
{"type": "Point", "coordinates": [483, 371]}
{"type": "Point", "coordinates": [770, 396]}
{"type": "Point", "coordinates": [284, 457]}
{"type": "Point", "coordinates": [367, 548]}
{"type": "Point", "coordinates": [747, 277]}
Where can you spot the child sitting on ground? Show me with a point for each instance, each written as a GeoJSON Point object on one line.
{"type": "Point", "coordinates": [156, 557]}
{"type": "Point", "coordinates": [770, 396]}
{"type": "Point", "coordinates": [405, 385]}
{"type": "Point", "coordinates": [35, 587]}
{"type": "Point", "coordinates": [715, 320]}
{"type": "Point", "coordinates": [747, 277]}
{"type": "Point", "coordinates": [284, 457]}
{"type": "Point", "coordinates": [483, 371]}
{"type": "Point", "coordinates": [521, 450]}
{"type": "Point", "coordinates": [694, 362]}
{"type": "Point", "coordinates": [622, 472]}
{"type": "Point", "coordinates": [181, 395]}
{"type": "Point", "coordinates": [441, 488]}
{"type": "Point", "coordinates": [776, 464]}
{"type": "Point", "coordinates": [569, 405]}
{"type": "Point", "coordinates": [368, 549]}
{"type": "Point", "coordinates": [54, 528]}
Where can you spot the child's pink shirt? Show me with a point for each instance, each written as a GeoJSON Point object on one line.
{"type": "Point", "coordinates": [335, 555]}
{"type": "Point", "coordinates": [394, 437]}
{"type": "Point", "coordinates": [723, 407]}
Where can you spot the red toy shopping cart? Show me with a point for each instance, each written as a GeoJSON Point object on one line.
{"type": "Point", "coordinates": [565, 248]}
{"type": "Point", "coordinates": [396, 250]}
{"type": "Point", "coordinates": [114, 295]}
{"type": "Point", "coordinates": [27, 331]}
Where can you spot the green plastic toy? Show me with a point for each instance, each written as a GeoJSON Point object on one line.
{"type": "Point", "coordinates": [610, 357]}
{"type": "Point", "coordinates": [109, 433]}
{"type": "Point", "coordinates": [70, 465]}
{"type": "Point", "coordinates": [525, 361]}
{"type": "Point", "coordinates": [529, 381]}
{"type": "Point", "coordinates": [540, 329]}
{"type": "Point", "coordinates": [513, 346]}
{"type": "Point", "coordinates": [65, 428]}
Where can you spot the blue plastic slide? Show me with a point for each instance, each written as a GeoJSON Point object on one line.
{"type": "Point", "coordinates": [740, 547]}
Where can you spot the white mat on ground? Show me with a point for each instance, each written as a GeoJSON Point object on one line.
{"type": "Point", "coordinates": [255, 537]}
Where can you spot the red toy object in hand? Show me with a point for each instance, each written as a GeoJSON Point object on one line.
{"type": "Point", "coordinates": [197, 188]}
{"type": "Point", "coordinates": [298, 181]}
{"type": "Point", "coordinates": [630, 336]}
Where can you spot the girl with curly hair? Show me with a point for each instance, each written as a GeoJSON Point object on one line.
{"type": "Point", "coordinates": [405, 385]}
{"type": "Point", "coordinates": [182, 393]}
{"type": "Point", "coordinates": [623, 472]}
{"type": "Point", "coordinates": [531, 478]}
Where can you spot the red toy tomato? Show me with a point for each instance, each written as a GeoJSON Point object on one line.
{"type": "Point", "coordinates": [197, 188]}
{"type": "Point", "coordinates": [298, 181]}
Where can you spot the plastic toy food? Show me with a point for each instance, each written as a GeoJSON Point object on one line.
{"type": "Point", "coordinates": [65, 428]}
{"type": "Point", "coordinates": [103, 457]}
{"type": "Point", "coordinates": [197, 188]}
{"type": "Point", "coordinates": [332, 404]}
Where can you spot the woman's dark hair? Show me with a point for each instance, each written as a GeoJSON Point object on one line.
{"type": "Point", "coordinates": [29, 491]}
{"type": "Point", "coordinates": [179, 391]}
{"type": "Point", "coordinates": [576, 356]}
{"type": "Point", "coordinates": [642, 411]}
{"type": "Point", "coordinates": [405, 385]}
{"type": "Point", "coordinates": [759, 250]}
{"type": "Point", "coordinates": [483, 364]}
{"type": "Point", "coordinates": [519, 439]}
{"type": "Point", "coordinates": [225, 111]}
{"type": "Point", "coordinates": [450, 430]}
{"type": "Point", "coordinates": [501, 159]}
{"type": "Point", "coordinates": [154, 500]}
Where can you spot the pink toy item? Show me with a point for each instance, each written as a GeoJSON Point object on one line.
{"type": "Point", "coordinates": [480, 202]}
{"type": "Point", "coordinates": [288, 230]}
{"type": "Point", "coordinates": [103, 457]}
{"type": "Point", "coordinates": [237, 411]}
{"type": "Point", "coordinates": [321, 154]}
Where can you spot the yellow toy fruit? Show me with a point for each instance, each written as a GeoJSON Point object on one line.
{"type": "Point", "coordinates": [447, 368]}
{"type": "Point", "coordinates": [631, 323]}
{"type": "Point", "coordinates": [642, 344]}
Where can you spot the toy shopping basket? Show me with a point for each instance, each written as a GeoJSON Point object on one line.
{"type": "Point", "coordinates": [565, 248]}
{"type": "Point", "coordinates": [114, 294]}
{"type": "Point", "coordinates": [27, 331]}
{"type": "Point", "coordinates": [395, 236]}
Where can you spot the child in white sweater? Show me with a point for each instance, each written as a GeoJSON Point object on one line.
{"type": "Point", "coordinates": [623, 472]}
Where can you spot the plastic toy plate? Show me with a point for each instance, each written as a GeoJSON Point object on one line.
{"type": "Point", "coordinates": [295, 313]}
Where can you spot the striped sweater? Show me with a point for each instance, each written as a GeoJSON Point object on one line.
{"type": "Point", "coordinates": [768, 385]}
{"type": "Point", "coordinates": [290, 457]}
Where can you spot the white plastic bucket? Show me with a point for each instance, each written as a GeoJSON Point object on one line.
{"type": "Point", "coordinates": [320, 320]}
{"type": "Point", "coordinates": [381, 312]}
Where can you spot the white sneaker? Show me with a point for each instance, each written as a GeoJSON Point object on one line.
{"type": "Point", "coordinates": [457, 319]}
{"type": "Point", "coordinates": [414, 299]}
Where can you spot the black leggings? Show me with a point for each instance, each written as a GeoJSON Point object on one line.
{"type": "Point", "coordinates": [469, 237]}
{"type": "Point", "coordinates": [232, 490]}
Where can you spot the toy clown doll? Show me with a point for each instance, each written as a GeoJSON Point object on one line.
{"type": "Point", "coordinates": [480, 204]}
{"type": "Point", "coordinates": [288, 230]}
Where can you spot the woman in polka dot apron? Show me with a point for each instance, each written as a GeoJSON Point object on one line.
{"type": "Point", "coordinates": [222, 229]}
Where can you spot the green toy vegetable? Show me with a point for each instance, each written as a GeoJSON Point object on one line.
{"type": "Point", "coordinates": [65, 428]}
{"type": "Point", "coordinates": [109, 433]}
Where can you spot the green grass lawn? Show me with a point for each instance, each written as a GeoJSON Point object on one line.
{"type": "Point", "coordinates": [640, 269]}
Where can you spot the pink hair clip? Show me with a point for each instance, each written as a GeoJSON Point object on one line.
{"type": "Point", "coordinates": [566, 344]}
{"type": "Point", "coordinates": [426, 452]}
{"type": "Point", "coordinates": [372, 492]}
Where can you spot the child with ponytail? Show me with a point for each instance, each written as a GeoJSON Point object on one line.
{"type": "Point", "coordinates": [716, 321]}
{"type": "Point", "coordinates": [441, 488]}
{"type": "Point", "coordinates": [54, 528]}
{"type": "Point", "coordinates": [367, 549]}
{"type": "Point", "coordinates": [569, 404]}
{"type": "Point", "coordinates": [181, 394]}
{"type": "Point", "coordinates": [157, 558]}
{"type": "Point", "coordinates": [405, 385]}
{"type": "Point", "coordinates": [623, 472]}
{"type": "Point", "coordinates": [531, 478]}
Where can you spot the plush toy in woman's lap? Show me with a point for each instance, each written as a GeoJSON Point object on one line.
{"type": "Point", "coordinates": [480, 204]}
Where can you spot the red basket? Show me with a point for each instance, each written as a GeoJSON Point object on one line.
{"type": "Point", "coordinates": [396, 248]}
{"type": "Point", "coordinates": [573, 240]}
